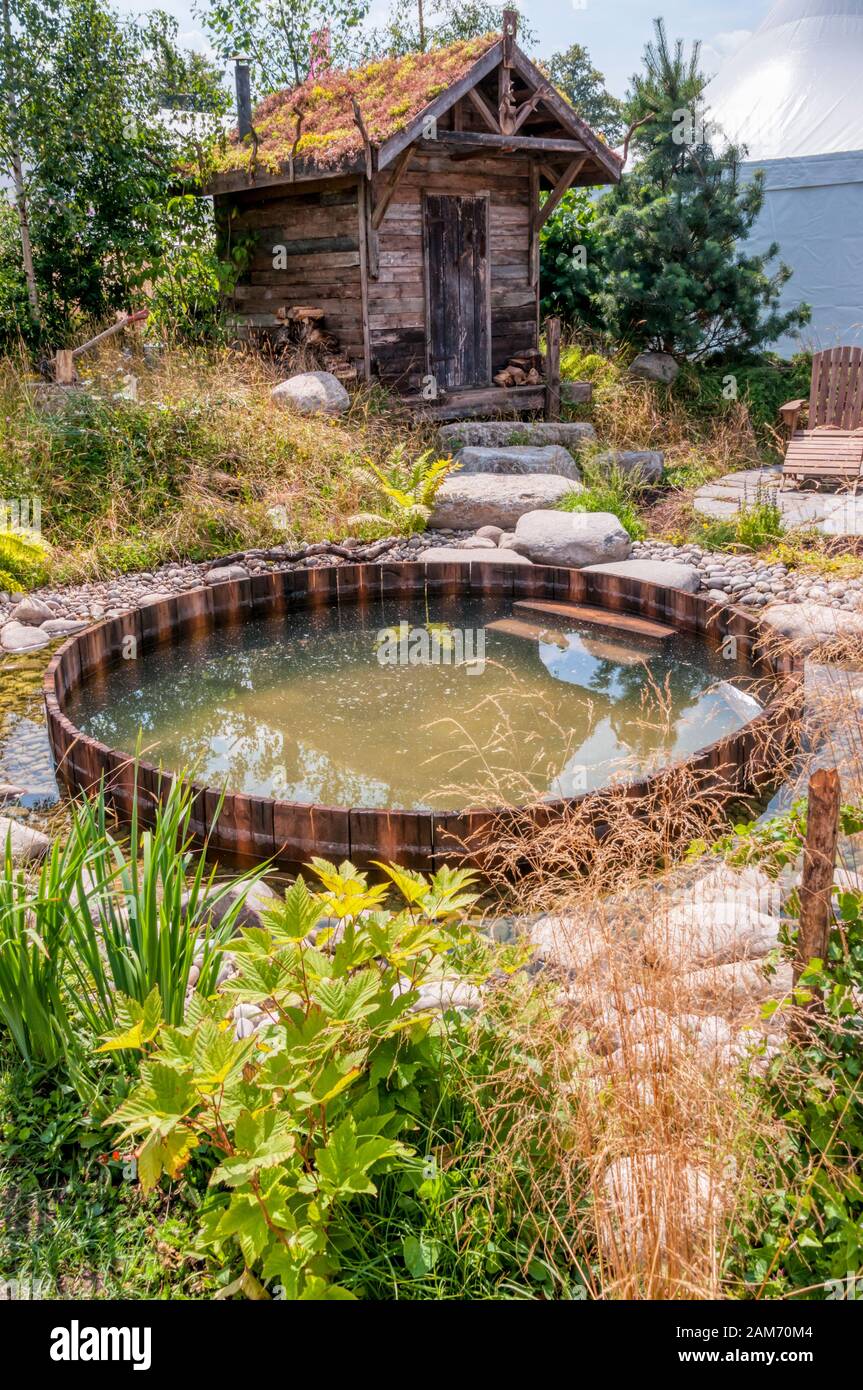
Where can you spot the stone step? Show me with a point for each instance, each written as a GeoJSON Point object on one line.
{"type": "Point", "coordinates": [600, 617]}
{"type": "Point", "coordinates": [519, 459]}
{"type": "Point", "coordinates": [532, 632]}
{"type": "Point", "coordinates": [493, 433]}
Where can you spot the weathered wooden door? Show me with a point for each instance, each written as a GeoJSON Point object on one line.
{"type": "Point", "coordinates": [457, 298]}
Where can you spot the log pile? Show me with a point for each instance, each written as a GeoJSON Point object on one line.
{"type": "Point", "coordinates": [524, 369]}
{"type": "Point", "coordinates": [303, 330]}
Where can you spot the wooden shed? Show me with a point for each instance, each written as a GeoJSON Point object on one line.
{"type": "Point", "coordinates": [403, 200]}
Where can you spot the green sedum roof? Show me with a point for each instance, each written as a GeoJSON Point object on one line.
{"type": "Point", "coordinates": [390, 93]}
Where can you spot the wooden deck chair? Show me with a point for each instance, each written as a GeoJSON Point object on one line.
{"type": "Point", "coordinates": [831, 445]}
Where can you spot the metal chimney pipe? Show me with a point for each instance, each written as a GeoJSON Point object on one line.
{"type": "Point", "coordinates": [243, 80]}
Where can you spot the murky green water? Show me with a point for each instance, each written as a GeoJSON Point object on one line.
{"type": "Point", "coordinates": [400, 705]}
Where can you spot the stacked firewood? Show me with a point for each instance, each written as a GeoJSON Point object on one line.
{"type": "Point", "coordinates": [524, 369]}
{"type": "Point", "coordinates": [303, 330]}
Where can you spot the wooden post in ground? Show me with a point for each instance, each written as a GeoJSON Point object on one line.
{"type": "Point", "coordinates": [819, 862]}
{"type": "Point", "coordinates": [552, 369]}
{"type": "Point", "coordinates": [64, 368]}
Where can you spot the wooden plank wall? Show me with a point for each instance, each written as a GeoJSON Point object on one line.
{"type": "Point", "coordinates": [397, 297]}
{"type": "Point", "coordinates": [320, 230]}
{"type": "Point", "coordinates": [320, 227]}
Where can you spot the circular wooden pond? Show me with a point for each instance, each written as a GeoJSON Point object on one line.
{"type": "Point", "coordinates": [259, 828]}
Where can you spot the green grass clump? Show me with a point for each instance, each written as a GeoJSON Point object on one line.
{"type": "Point", "coordinates": [756, 525]}
{"type": "Point", "coordinates": [609, 490]}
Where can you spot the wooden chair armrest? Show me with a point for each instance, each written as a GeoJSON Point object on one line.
{"type": "Point", "coordinates": [789, 413]}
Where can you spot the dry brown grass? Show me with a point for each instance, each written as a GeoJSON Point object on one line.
{"type": "Point", "coordinates": [648, 1145]}
{"type": "Point", "coordinates": [193, 467]}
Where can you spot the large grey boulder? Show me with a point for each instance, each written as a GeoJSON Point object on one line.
{"type": "Point", "coordinates": [664, 572]}
{"type": "Point", "coordinates": [655, 366]}
{"type": "Point", "coordinates": [811, 625]}
{"type": "Point", "coordinates": [312, 393]}
{"type": "Point", "coordinates": [26, 843]}
{"type": "Point", "coordinates": [494, 433]}
{"type": "Point", "coordinates": [518, 459]}
{"type": "Point", "coordinates": [574, 539]}
{"type": "Point", "coordinates": [257, 901]}
{"type": "Point", "coordinates": [493, 499]}
{"type": "Point", "coordinates": [31, 611]}
{"type": "Point", "coordinates": [461, 554]}
{"type": "Point", "coordinates": [647, 464]}
{"type": "Point", "coordinates": [20, 637]}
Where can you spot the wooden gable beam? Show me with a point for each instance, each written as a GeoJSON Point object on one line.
{"type": "Point", "coordinates": [392, 148]}
{"type": "Point", "coordinates": [485, 109]}
{"type": "Point", "coordinates": [540, 144]}
{"type": "Point", "coordinates": [571, 172]}
{"type": "Point", "coordinates": [399, 170]}
{"type": "Point", "coordinates": [563, 112]}
{"type": "Point", "coordinates": [528, 107]}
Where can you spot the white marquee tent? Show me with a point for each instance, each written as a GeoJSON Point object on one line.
{"type": "Point", "coordinates": [793, 95]}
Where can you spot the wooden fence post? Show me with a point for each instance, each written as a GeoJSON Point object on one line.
{"type": "Point", "coordinates": [819, 862]}
{"type": "Point", "coordinates": [552, 369]}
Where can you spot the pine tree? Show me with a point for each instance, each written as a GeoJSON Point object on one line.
{"type": "Point", "coordinates": [676, 278]}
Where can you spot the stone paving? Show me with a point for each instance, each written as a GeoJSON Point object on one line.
{"type": "Point", "coordinates": [833, 514]}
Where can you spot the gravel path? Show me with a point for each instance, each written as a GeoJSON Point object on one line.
{"type": "Point", "coordinates": [754, 583]}
{"type": "Point", "coordinates": [750, 582]}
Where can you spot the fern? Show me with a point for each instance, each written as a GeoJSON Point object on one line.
{"type": "Point", "coordinates": [412, 488]}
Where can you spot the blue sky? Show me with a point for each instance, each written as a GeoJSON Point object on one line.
{"type": "Point", "coordinates": [614, 31]}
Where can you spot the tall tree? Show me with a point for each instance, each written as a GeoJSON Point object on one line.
{"type": "Point", "coordinates": [584, 87]}
{"type": "Point", "coordinates": [413, 26]}
{"type": "Point", "coordinates": [676, 276]}
{"type": "Point", "coordinates": [281, 39]}
{"type": "Point", "coordinates": [84, 139]}
{"type": "Point", "coordinates": [26, 28]}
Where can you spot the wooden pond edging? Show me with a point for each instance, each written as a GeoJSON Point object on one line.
{"type": "Point", "coordinates": [253, 828]}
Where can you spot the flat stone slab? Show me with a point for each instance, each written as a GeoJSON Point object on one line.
{"type": "Point", "coordinates": [447, 554]}
{"type": "Point", "coordinates": [494, 499]}
{"type": "Point", "coordinates": [25, 842]}
{"type": "Point", "coordinates": [20, 637]}
{"type": "Point", "coordinates": [520, 459]}
{"type": "Point", "coordinates": [812, 624]}
{"type": "Point", "coordinates": [664, 572]}
{"type": "Point", "coordinates": [843, 516]}
{"type": "Point", "coordinates": [833, 514]}
{"type": "Point", "coordinates": [576, 392]}
{"type": "Point", "coordinates": [494, 433]}
{"type": "Point", "coordinates": [717, 509]}
{"type": "Point", "coordinates": [750, 479]}
{"type": "Point", "coordinates": [572, 539]}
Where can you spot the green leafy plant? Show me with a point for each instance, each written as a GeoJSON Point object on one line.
{"type": "Point", "coordinates": [297, 1120]}
{"type": "Point", "coordinates": [110, 920]}
{"type": "Point", "coordinates": [150, 904]}
{"type": "Point", "coordinates": [410, 487]}
{"type": "Point", "coordinates": [33, 935]}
